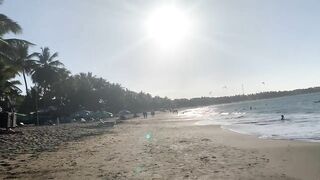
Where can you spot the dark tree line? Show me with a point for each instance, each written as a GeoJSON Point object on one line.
{"type": "Point", "coordinates": [85, 91]}
{"type": "Point", "coordinates": [205, 101]}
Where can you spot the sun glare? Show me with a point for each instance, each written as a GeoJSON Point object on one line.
{"type": "Point", "coordinates": [168, 26]}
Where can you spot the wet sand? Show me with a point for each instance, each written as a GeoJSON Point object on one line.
{"type": "Point", "coordinates": [170, 147]}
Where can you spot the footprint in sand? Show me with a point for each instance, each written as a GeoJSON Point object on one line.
{"type": "Point", "coordinates": [204, 159]}
{"type": "Point", "coordinates": [205, 139]}
{"type": "Point", "coordinates": [183, 141]}
{"type": "Point", "coordinates": [4, 164]}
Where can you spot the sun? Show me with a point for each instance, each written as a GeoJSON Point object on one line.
{"type": "Point", "coordinates": [168, 26]}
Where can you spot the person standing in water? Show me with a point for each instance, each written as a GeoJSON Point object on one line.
{"type": "Point", "coordinates": [282, 117]}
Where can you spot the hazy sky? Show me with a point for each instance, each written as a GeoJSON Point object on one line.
{"type": "Point", "coordinates": [228, 43]}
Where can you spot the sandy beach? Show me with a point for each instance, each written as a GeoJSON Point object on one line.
{"type": "Point", "coordinates": [168, 147]}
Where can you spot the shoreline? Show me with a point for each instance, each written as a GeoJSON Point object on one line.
{"type": "Point", "coordinates": [268, 138]}
{"type": "Point", "coordinates": [171, 147]}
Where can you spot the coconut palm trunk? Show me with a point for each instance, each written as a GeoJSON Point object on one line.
{"type": "Point", "coordinates": [25, 81]}
{"type": "Point", "coordinates": [37, 105]}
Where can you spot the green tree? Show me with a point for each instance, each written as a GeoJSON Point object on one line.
{"type": "Point", "coordinates": [46, 69]}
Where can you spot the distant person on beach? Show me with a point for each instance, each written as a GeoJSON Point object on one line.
{"type": "Point", "coordinates": [152, 113]}
{"type": "Point", "coordinates": [145, 115]}
{"type": "Point", "coordinates": [282, 117]}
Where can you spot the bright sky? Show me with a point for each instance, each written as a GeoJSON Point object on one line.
{"type": "Point", "coordinates": [180, 48]}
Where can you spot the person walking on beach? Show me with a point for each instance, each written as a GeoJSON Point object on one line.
{"type": "Point", "coordinates": [145, 115]}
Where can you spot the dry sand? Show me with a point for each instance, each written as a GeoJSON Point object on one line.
{"type": "Point", "coordinates": [170, 147]}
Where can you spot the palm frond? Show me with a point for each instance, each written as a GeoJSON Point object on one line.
{"type": "Point", "coordinates": [4, 56]}
{"type": "Point", "coordinates": [56, 63]}
{"type": "Point", "coordinates": [55, 55]}
{"type": "Point", "coordinates": [8, 25]}
{"type": "Point", "coordinates": [45, 55]}
{"type": "Point", "coordinates": [18, 42]}
{"type": "Point", "coordinates": [33, 55]}
{"type": "Point", "coordinates": [3, 41]}
{"type": "Point", "coordinates": [15, 82]}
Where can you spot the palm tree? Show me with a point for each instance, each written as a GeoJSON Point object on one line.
{"type": "Point", "coordinates": [46, 73]}
{"type": "Point", "coordinates": [14, 51]}
{"type": "Point", "coordinates": [22, 61]}
{"type": "Point", "coordinates": [46, 70]}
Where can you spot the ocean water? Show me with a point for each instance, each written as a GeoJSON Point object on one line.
{"type": "Point", "coordinates": [263, 119]}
